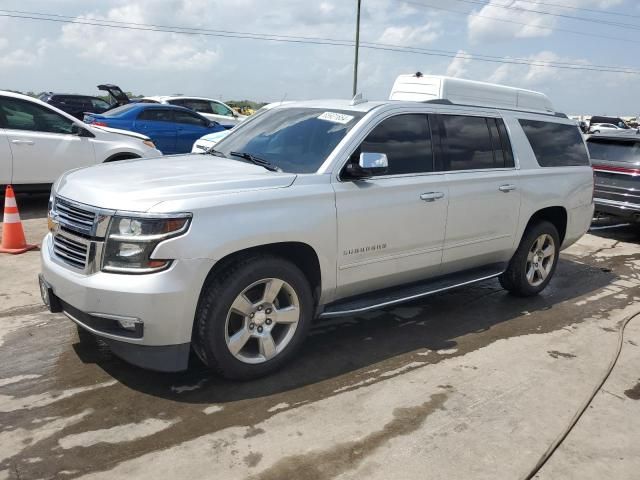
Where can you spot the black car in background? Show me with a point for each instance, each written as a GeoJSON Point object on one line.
{"type": "Point", "coordinates": [78, 105]}
{"type": "Point", "coordinates": [616, 164]}
{"type": "Point", "coordinates": [75, 105]}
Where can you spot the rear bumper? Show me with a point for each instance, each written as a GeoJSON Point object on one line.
{"type": "Point", "coordinates": [578, 223]}
{"type": "Point", "coordinates": [626, 210]}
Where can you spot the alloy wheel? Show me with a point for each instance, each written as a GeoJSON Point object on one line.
{"type": "Point", "coordinates": [540, 259]}
{"type": "Point", "coordinates": [262, 320]}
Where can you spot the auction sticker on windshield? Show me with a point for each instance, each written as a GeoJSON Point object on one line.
{"type": "Point", "coordinates": [336, 117]}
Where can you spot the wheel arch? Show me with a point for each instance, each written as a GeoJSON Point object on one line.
{"type": "Point", "coordinates": [556, 215]}
{"type": "Point", "coordinates": [122, 156]}
{"type": "Point", "coordinates": [300, 254]}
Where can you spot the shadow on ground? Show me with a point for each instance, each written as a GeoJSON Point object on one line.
{"type": "Point", "coordinates": [478, 315]}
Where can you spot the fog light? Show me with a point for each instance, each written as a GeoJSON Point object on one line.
{"type": "Point", "coordinates": [128, 324]}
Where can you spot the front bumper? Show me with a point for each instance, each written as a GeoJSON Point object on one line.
{"type": "Point", "coordinates": [158, 308]}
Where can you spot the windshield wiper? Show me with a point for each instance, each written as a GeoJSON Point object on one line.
{"type": "Point", "coordinates": [256, 160]}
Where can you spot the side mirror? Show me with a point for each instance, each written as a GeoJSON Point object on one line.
{"type": "Point", "coordinates": [369, 164]}
{"type": "Point", "coordinates": [80, 132]}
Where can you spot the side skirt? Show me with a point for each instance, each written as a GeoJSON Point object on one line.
{"type": "Point", "coordinates": [406, 293]}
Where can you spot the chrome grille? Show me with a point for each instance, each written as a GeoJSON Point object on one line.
{"type": "Point", "coordinates": [72, 251]}
{"type": "Point", "coordinates": [74, 217]}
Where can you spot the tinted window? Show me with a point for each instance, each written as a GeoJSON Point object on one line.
{"type": "Point", "coordinates": [466, 143]}
{"type": "Point", "coordinates": [156, 115]}
{"type": "Point", "coordinates": [22, 115]}
{"type": "Point", "coordinates": [189, 118]}
{"type": "Point", "coordinates": [98, 104]}
{"type": "Point", "coordinates": [220, 109]}
{"type": "Point", "coordinates": [614, 151]}
{"type": "Point", "coordinates": [201, 106]}
{"type": "Point", "coordinates": [555, 144]}
{"type": "Point", "coordinates": [498, 154]}
{"type": "Point", "coordinates": [506, 144]}
{"type": "Point", "coordinates": [406, 141]}
{"type": "Point", "coordinates": [297, 140]}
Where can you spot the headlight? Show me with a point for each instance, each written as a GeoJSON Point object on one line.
{"type": "Point", "coordinates": [149, 143]}
{"type": "Point", "coordinates": [131, 241]}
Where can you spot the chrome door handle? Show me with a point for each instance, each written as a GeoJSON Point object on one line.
{"type": "Point", "coordinates": [506, 188]}
{"type": "Point", "coordinates": [22, 142]}
{"type": "Point", "coordinates": [431, 196]}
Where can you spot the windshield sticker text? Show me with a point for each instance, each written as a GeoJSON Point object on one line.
{"type": "Point", "coordinates": [336, 117]}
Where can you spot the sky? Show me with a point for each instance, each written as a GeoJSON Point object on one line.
{"type": "Point", "coordinates": [41, 56]}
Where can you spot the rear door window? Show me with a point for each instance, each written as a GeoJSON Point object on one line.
{"type": "Point", "coordinates": [181, 116]}
{"type": "Point", "coordinates": [406, 140]}
{"type": "Point", "coordinates": [614, 151]}
{"type": "Point", "coordinates": [467, 143]}
{"type": "Point", "coordinates": [156, 115]}
{"type": "Point", "coordinates": [555, 144]}
{"type": "Point", "coordinates": [201, 106]}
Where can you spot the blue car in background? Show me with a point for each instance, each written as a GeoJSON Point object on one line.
{"type": "Point", "coordinates": [173, 129]}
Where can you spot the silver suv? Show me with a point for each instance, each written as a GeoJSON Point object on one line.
{"type": "Point", "coordinates": [311, 210]}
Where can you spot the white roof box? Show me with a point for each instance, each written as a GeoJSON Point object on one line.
{"type": "Point", "coordinates": [423, 88]}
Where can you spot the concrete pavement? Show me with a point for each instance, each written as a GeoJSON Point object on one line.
{"type": "Point", "coordinates": [469, 384]}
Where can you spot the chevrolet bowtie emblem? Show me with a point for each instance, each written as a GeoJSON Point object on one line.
{"type": "Point", "coordinates": [53, 224]}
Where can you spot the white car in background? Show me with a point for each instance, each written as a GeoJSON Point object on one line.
{"type": "Point", "coordinates": [214, 110]}
{"type": "Point", "coordinates": [202, 145]}
{"type": "Point", "coordinates": [604, 127]}
{"type": "Point", "coordinates": [38, 143]}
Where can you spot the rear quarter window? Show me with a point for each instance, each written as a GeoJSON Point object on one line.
{"type": "Point", "coordinates": [555, 144]}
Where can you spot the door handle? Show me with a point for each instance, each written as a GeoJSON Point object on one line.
{"type": "Point", "coordinates": [22, 142]}
{"type": "Point", "coordinates": [431, 196]}
{"type": "Point", "coordinates": [506, 188]}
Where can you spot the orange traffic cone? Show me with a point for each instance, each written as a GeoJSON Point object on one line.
{"type": "Point", "coordinates": [13, 240]}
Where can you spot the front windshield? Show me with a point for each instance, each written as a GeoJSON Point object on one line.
{"type": "Point", "coordinates": [296, 140]}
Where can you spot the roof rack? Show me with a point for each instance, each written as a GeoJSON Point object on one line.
{"type": "Point", "coordinates": [456, 91]}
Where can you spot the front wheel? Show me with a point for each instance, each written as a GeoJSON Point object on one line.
{"type": "Point", "coordinates": [534, 262]}
{"type": "Point", "coordinates": [253, 317]}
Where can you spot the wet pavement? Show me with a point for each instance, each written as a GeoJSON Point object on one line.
{"type": "Point", "coordinates": [473, 383]}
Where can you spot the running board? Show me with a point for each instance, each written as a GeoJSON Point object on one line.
{"type": "Point", "coordinates": [406, 293]}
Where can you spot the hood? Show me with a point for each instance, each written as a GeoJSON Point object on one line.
{"type": "Point", "coordinates": [138, 185]}
{"type": "Point", "coordinates": [120, 132]}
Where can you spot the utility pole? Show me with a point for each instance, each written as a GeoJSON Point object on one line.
{"type": "Point", "coordinates": [355, 63]}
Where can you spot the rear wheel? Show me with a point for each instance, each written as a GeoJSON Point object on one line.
{"type": "Point", "coordinates": [534, 262]}
{"type": "Point", "coordinates": [253, 317]}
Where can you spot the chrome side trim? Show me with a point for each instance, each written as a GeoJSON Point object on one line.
{"type": "Point", "coordinates": [376, 306]}
{"type": "Point", "coordinates": [117, 318]}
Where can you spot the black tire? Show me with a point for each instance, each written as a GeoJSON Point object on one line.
{"type": "Point", "coordinates": [218, 295]}
{"type": "Point", "coordinates": [514, 279]}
